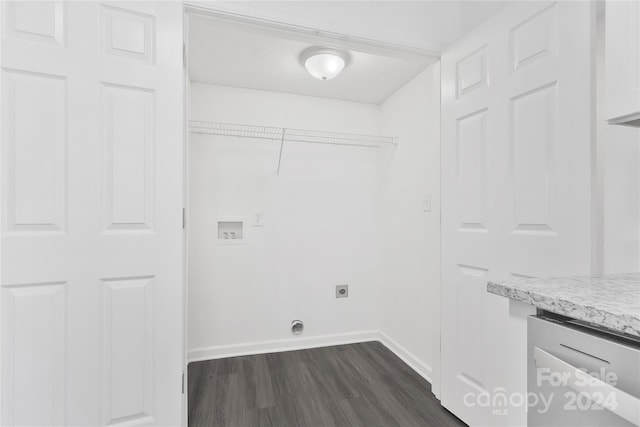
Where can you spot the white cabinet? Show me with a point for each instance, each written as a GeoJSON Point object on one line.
{"type": "Point", "coordinates": [623, 62]}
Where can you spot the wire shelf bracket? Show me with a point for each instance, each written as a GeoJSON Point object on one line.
{"type": "Point", "coordinates": [280, 155]}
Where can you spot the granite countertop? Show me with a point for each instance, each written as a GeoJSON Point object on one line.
{"type": "Point", "coordinates": [611, 301]}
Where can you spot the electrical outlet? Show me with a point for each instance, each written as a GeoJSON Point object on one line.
{"type": "Point", "coordinates": [342, 291]}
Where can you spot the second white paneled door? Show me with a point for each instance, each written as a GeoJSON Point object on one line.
{"type": "Point", "coordinates": [91, 294]}
{"type": "Point", "coordinates": [516, 190]}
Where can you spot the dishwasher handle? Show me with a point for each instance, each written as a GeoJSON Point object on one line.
{"type": "Point", "coordinates": [624, 405]}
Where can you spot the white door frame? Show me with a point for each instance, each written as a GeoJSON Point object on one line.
{"type": "Point", "coordinates": [185, 204]}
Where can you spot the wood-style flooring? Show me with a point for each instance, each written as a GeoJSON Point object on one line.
{"type": "Point", "coordinates": [348, 385]}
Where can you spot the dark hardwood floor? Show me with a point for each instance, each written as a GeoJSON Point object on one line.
{"type": "Point", "coordinates": [349, 385]}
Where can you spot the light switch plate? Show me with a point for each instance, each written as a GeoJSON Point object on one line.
{"type": "Point", "coordinates": [258, 219]}
{"type": "Point", "coordinates": [426, 203]}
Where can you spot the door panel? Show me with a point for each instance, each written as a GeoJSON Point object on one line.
{"type": "Point", "coordinates": [471, 134]}
{"type": "Point", "coordinates": [42, 22]}
{"type": "Point", "coordinates": [34, 328]}
{"type": "Point", "coordinates": [91, 288]}
{"type": "Point", "coordinates": [128, 118]}
{"type": "Point", "coordinates": [36, 122]}
{"type": "Point", "coordinates": [516, 144]}
{"type": "Point", "coordinates": [127, 349]}
{"type": "Point", "coordinates": [532, 141]}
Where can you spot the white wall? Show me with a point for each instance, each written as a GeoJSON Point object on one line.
{"type": "Point", "coordinates": [334, 215]}
{"type": "Point", "coordinates": [618, 189]}
{"type": "Point", "coordinates": [411, 236]}
{"type": "Point", "coordinates": [321, 226]}
{"type": "Point", "coordinates": [622, 200]}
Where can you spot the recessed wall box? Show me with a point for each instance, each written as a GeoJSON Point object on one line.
{"type": "Point", "coordinates": [230, 231]}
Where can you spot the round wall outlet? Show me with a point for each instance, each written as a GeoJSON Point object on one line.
{"type": "Point", "coordinates": [297, 326]}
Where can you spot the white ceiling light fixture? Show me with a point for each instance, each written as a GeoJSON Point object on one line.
{"type": "Point", "coordinates": [324, 63]}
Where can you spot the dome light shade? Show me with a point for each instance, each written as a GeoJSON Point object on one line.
{"type": "Point", "coordinates": [323, 63]}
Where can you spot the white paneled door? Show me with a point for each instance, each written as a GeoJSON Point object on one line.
{"type": "Point", "coordinates": [516, 190]}
{"type": "Point", "coordinates": [91, 293]}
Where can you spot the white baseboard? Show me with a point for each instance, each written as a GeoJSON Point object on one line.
{"type": "Point", "coordinates": [406, 356]}
{"type": "Point", "coordinates": [260, 347]}
{"type": "Point", "coordinates": [302, 343]}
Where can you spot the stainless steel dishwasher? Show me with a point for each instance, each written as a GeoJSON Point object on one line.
{"type": "Point", "coordinates": [579, 375]}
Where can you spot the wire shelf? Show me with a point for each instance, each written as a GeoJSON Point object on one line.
{"type": "Point", "coordinates": [290, 135]}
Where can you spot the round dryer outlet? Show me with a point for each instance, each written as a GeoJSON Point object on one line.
{"type": "Point", "coordinates": [297, 326]}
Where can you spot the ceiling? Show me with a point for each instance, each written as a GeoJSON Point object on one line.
{"type": "Point", "coordinates": [389, 43]}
